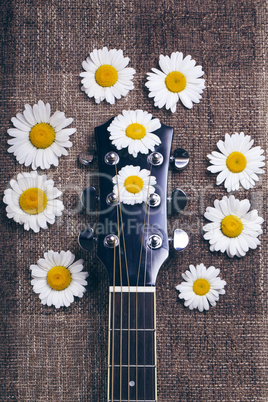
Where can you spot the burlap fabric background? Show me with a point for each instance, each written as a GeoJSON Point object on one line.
{"type": "Point", "coordinates": [50, 355]}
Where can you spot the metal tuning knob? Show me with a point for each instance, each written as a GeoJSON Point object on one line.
{"type": "Point", "coordinates": [180, 239]}
{"type": "Point", "coordinates": [86, 239]}
{"type": "Point", "coordinates": [154, 200]}
{"type": "Point", "coordinates": [155, 158]}
{"type": "Point", "coordinates": [89, 199]}
{"type": "Point", "coordinates": [112, 199]}
{"type": "Point", "coordinates": [154, 242]}
{"type": "Point", "coordinates": [111, 241]}
{"type": "Point", "coordinates": [86, 158]}
{"type": "Point", "coordinates": [180, 159]}
{"type": "Point", "coordinates": [111, 158]}
{"type": "Point", "coordinates": [177, 202]}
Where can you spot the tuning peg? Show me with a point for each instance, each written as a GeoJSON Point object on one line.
{"type": "Point", "coordinates": [177, 202]}
{"type": "Point", "coordinates": [180, 159]}
{"type": "Point", "coordinates": [89, 198]}
{"type": "Point", "coordinates": [86, 239]}
{"type": "Point", "coordinates": [180, 239]}
{"type": "Point", "coordinates": [155, 158]}
{"type": "Point", "coordinates": [86, 158]}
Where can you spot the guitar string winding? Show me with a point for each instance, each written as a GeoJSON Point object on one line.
{"type": "Point", "coordinates": [137, 284]}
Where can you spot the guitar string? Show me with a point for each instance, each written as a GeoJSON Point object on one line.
{"type": "Point", "coordinates": [144, 281]}
{"type": "Point", "coordinates": [121, 303]}
{"type": "Point", "coordinates": [154, 337]}
{"type": "Point", "coordinates": [129, 286]}
{"type": "Point", "coordinates": [137, 284]}
{"type": "Point", "coordinates": [127, 273]}
{"type": "Point", "coordinates": [121, 295]}
{"type": "Point", "coordinates": [151, 261]}
{"type": "Point", "coordinates": [112, 385]}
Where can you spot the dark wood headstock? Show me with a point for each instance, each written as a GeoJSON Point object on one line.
{"type": "Point", "coordinates": [132, 240]}
{"type": "Point", "coordinates": [137, 253]}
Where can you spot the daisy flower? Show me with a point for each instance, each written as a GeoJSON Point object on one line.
{"type": "Point", "coordinates": [202, 286]}
{"type": "Point", "coordinates": [237, 162]}
{"type": "Point", "coordinates": [107, 75]}
{"type": "Point", "coordinates": [233, 228]}
{"type": "Point", "coordinates": [179, 79]}
{"type": "Point", "coordinates": [32, 201]}
{"type": "Point", "coordinates": [38, 138]}
{"type": "Point", "coordinates": [57, 278]}
{"type": "Point", "coordinates": [134, 185]}
{"type": "Point", "coordinates": [134, 130]}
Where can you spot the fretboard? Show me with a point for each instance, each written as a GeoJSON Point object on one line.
{"type": "Point", "coordinates": [132, 345]}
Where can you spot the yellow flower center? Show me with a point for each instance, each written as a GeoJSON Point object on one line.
{"type": "Point", "coordinates": [42, 135]}
{"type": "Point", "coordinates": [175, 81]}
{"type": "Point", "coordinates": [59, 278]}
{"type": "Point", "coordinates": [133, 184]}
{"type": "Point", "coordinates": [201, 287]}
{"type": "Point", "coordinates": [231, 226]}
{"type": "Point", "coordinates": [236, 162]}
{"type": "Point", "coordinates": [33, 201]}
{"type": "Point", "coordinates": [135, 131]}
{"type": "Point", "coordinates": [106, 75]}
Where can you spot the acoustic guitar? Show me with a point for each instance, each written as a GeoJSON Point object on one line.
{"type": "Point", "coordinates": [133, 245]}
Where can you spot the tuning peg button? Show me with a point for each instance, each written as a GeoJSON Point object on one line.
{"type": "Point", "coordinates": [180, 239]}
{"type": "Point", "coordinates": [86, 239]}
{"type": "Point", "coordinates": [155, 241]}
{"type": "Point", "coordinates": [180, 159]}
{"type": "Point", "coordinates": [112, 199]}
{"type": "Point", "coordinates": [89, 198]}
{"type": "Point", "coordinates": [111, 241]}
{"type": "Point", "coordinates": [177, 202]}
{"type": "Point", "coordinates": [111, 158]}
{"type": "Point", "coordinates": [154, 200]}
{"type": "Point", "coordinates": [155, 158]}
{"type": "Point", "coordinates": [86, 158]}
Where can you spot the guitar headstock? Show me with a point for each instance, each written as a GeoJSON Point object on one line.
{"type": "Point", "coordinates": [133, 240]}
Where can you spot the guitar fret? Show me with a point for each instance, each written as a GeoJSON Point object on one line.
{"type": "Point", "coordinates": [132, 289]}
{"type": "Point", "coordinates": [125, 365]}
{"type": "Point", "coordinates": [132, 330]}
{"type": "Point", "coordinates": [126, 341]}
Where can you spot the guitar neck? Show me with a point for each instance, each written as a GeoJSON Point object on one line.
{"type": "Point", "coordinates": [132, 344]}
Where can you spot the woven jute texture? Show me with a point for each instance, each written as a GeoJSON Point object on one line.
{"type": "Point", "coordinates": [61, 355]}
